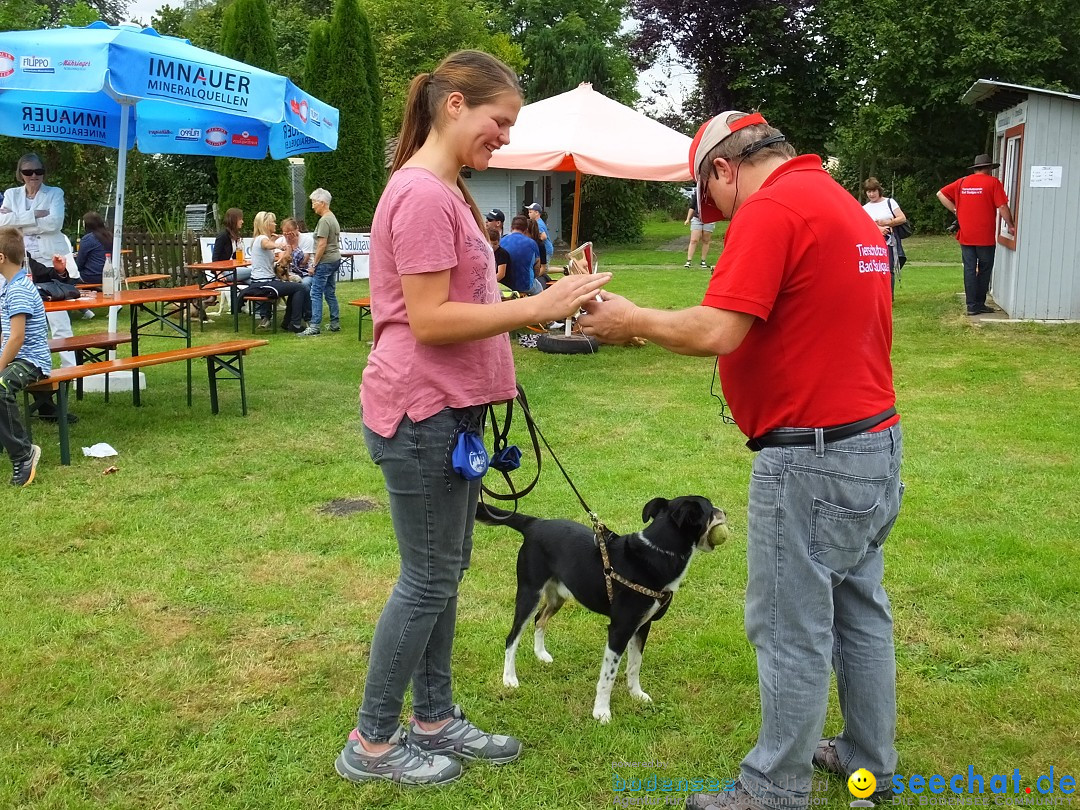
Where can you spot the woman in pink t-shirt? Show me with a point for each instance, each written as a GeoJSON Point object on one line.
{"type": "Point", "coordinates": [441, 353]}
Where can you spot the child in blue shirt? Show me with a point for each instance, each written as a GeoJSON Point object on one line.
{"type": "Point", "coordinates": [24, 353]}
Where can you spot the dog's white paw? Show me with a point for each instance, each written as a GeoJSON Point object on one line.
{"type": "Point", "coordinates": [510, 681]}
{"type": "Point", "coordinates": [642, 696]}
{"type": "Point", "coordinates": [603, 715]}
{"type": "Point", "coordinates": [545, 656]}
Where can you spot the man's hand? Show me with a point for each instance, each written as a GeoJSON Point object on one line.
{"type": "Point", "coordinates": [610, 320]}
{"type": "Point", "coordinates": [59, 264]}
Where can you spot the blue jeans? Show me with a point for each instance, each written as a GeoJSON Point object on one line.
{"type": "Point", "coordinates": [324, 285]}
{"type": "Point", "coordinates": [978, 270]}
{"type": "Point", "coordinates": [432, 510]}
{"type": "Point", "coordinates": [815, 603]}
{"type": "Point", "coordinates": [307, 281]}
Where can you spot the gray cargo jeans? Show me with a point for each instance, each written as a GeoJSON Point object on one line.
{"type": "Point", "coordinates": [815, 603]}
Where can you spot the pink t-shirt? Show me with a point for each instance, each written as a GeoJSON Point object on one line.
{"type": "Point", "coordinates": [422, 226]}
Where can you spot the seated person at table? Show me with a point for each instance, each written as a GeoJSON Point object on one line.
{"type": "Point", "coordinates": [95, 243]}
{"type": "Point", "coordinates": [228, 242]}
{"type": "Point", "coordinates": [524, 258]}
{"type": "Point", "coordinates": [295, 259]}
{"type": "Point", "coordinates": [502, 258]}
{"type": "Point", "coordinates": [263, 274]}
{"type": "Point", "coordinates": [24, 354]}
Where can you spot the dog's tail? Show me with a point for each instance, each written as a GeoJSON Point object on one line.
{"type": "Point", "coordinates": [494, 516]}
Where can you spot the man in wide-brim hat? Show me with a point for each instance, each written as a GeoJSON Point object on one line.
{"type": "Point", "coordinates": [977, 200]}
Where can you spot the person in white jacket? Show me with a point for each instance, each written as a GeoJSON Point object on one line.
{"type": "Point", "coordinates": [37, 210]}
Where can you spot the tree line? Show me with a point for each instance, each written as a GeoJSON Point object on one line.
{"type": "Point", "coordinates": [875, 86]}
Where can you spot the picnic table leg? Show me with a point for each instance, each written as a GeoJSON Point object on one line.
{"type": "Point", "coordinates": [80, 358]}
{"type": "Point", "coordinates": [211, 372]}
{"type": "Point", "coordinates": [136, 398]}
{"type": "Point", "coordinates": [62, 421]}
{"type": "Point", "coordinates": [234, 304]}
{"type": "Point", "coordinates": [185, 324]}
{"type": "Point", "coordinates": [243, 387]}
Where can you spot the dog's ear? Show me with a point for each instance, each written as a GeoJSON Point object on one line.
{"type": "Point", "coordinates": [653, 508]}
{"type": "Point", "coordinates": [689, 513]}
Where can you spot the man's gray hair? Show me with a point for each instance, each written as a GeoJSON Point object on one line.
{"type": "Point", "coordinates": [320, 195]}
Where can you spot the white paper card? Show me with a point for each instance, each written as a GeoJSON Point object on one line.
{"type": "Point", "coordinates": [1046, 176]}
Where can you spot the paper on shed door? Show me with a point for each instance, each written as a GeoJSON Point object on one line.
{"type": "Point", "coordinates": [100, 450]}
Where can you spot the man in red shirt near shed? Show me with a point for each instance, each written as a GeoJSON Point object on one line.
{"type": "Point", "coordinates": [799, 313]}
{"type": "Point", "coordinates": [977, 200]}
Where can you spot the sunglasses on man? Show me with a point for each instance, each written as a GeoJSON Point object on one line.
{"type": "Point", "coordinates": [31, 172]}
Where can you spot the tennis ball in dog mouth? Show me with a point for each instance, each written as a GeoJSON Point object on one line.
{"type": "Point", "coordinates": [719, 534]}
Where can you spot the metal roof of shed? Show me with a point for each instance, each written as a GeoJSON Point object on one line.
{"type": "Point", "coordinates": [993, 96]}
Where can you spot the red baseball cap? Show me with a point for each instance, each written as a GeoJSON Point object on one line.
{"type": "Point", "coordinates": [711, 133]}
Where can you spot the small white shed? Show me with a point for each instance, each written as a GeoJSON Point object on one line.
{"type": "Point", "coordinates": [510, 190]}
{"type": "Point", "coordinates": [1037, 142]}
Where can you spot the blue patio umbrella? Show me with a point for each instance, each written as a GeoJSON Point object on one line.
{"type": "Point", "coordinates": [122, 86]}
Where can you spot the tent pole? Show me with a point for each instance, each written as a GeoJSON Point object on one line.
{"type": "Point", "coordinates": [118, 217]}
{"type": "Point", "coordinates": [577, 209]}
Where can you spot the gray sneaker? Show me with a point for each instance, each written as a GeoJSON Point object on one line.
{"type": "Point", "coordinates": [462, 739]}
{"type": "Point", "coordinates": [311, 330]}
{"type": "Point", "coordinates": [735, 799]}
{"type": "Point", "coordinates": [334, 326]}
{"type": "Point", "coordinates": [23, 472]}
{"type": "Point", "coordinates": [404, 763]}
{"type": "Point", "coordinates": [825, 758]}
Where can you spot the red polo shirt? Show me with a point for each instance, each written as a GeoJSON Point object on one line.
{"type": "Point", "coordinates": [977, 198]}
{"type": "Point", "coordinates": [802, 256]}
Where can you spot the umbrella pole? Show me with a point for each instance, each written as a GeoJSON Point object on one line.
{"type": "Point", "coordinates": [577, 210]}
{"type": "Point", "coordinates": [118, 219]}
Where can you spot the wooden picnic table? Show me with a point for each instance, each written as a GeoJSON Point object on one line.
{"type": "Point", "coordinates": [222, 272]}
{"type": "Point", "coordinates": [349, 255]}
{"type": "Point", "coordinates": [143, 315]}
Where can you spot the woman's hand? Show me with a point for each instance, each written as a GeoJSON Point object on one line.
{"type": "Point", "coordinates": [567, 295]}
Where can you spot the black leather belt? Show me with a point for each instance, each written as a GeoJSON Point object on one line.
{"type": "Point", "coordinates": [807, 437]}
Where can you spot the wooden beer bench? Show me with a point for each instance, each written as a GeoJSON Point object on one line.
{"type": "Point", "coordinates": [90, 349]}
{"type": "Point", "coordinates": [223, 361]}
{"type": "Point", "coordinates": [364, 305]}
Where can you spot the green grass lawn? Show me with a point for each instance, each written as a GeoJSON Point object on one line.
{"type": "Point", "coordinates": [192, 631]}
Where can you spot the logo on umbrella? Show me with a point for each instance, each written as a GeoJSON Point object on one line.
{"type": "Point", "coordinates": [189, 134]}
{"type": "Point", "coordinates": [299, 109]}
{"type": "Point", "coordinates": [36, 64]}
{"type": "Point", "coordinates": [7, 64]}
{"type": "Point", "coordinates": [244, 139]}
{"type": "Point", "coordinates": [216, 136]}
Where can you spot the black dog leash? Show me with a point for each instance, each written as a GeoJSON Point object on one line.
{"type": "Point", "coordinates": [602, 532]}
{"type": "Point", "coordinates": [534, 433]}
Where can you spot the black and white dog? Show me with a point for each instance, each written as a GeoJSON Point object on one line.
{"type": "Point", "coordinates": [560, 558]}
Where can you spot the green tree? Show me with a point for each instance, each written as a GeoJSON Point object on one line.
{"type": "Point", "coordinates": [251, 185]}
{"type": "Point", "coordinates": [565, 43]}
{"type": "Point", "coordinates": [315, 83]}
{"type": "Point", "coordinates": [344, 75]}
{"type": "Point", "coordinates": [412, 38]}
{"type": "Point", "coordinates": [901, 116]}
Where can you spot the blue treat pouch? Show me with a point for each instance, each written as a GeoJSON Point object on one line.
{"type": "Point", "coordinates": [469, 459]}
{"type": "Point", "coordinates": [507, 459]}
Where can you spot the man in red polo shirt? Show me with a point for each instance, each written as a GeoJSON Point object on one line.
{"type": "Point", "coordinates": [977, 200]}
{"type": "Point", "coordinates": [799, 313]}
